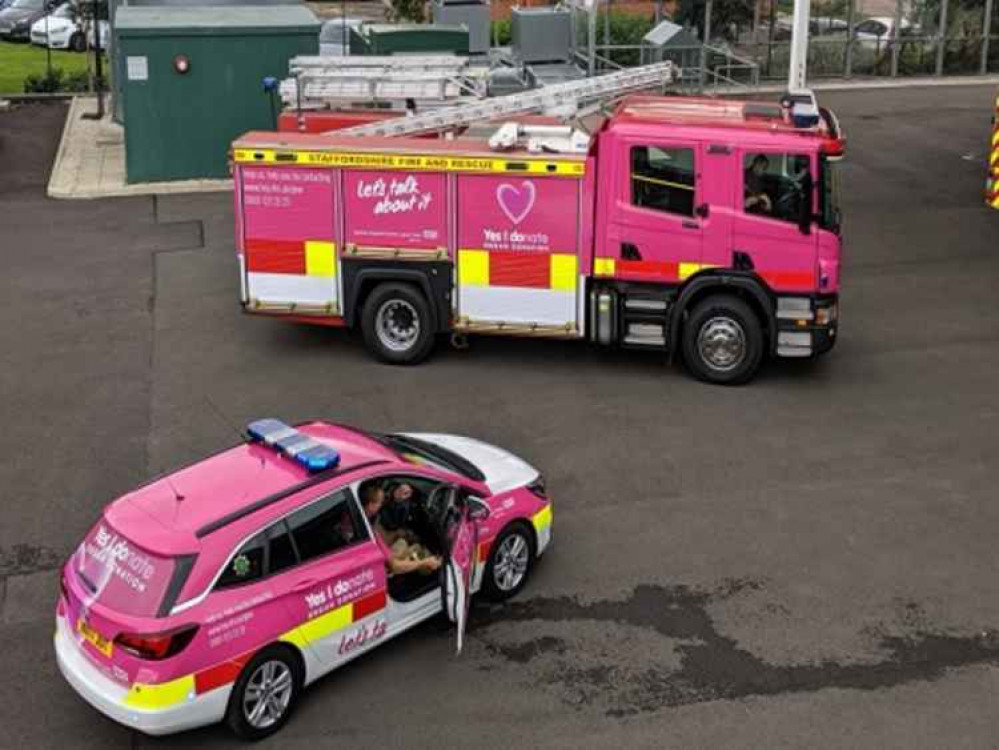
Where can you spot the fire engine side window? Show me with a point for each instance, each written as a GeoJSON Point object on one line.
{"type": "Point", "coordinates": [774, 184]}
{"type": "Point", "coordinates": [663, 179]}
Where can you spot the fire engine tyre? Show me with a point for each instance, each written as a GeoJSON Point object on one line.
{"type": "Point", "coordinates": [511, 559]}
{"type": "Point", "coordinates": [397, 324]}
{"type": "Point", "coordinates": [265, 694]}
{"type": "Point", "coordinates": [723, 341]}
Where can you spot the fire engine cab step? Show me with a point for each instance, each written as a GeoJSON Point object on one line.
{"type": "Point", "coordinates": [645, 335]}
{"type": "Point", "coordinates": [639, 304]}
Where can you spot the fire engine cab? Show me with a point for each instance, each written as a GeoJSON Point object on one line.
{"type": "Point", "coordinates": [703, 228]}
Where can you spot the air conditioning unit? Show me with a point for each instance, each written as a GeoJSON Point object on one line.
{"type": "Point", "coordinates": [541, 34]}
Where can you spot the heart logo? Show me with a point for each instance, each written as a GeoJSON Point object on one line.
{"type": "Point", "coordinates": [516, 202]}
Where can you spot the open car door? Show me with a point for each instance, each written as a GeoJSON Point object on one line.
{"type": "Point", "coordinates": [460, 538]}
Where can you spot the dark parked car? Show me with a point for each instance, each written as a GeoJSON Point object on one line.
{"type": "Point", "coordinates": [16, 18]}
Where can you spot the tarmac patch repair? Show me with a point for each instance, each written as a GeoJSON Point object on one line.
{"type": "Point", "coordinates": [681, 658]}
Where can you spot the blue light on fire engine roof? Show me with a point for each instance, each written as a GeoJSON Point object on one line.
{"type": "Point", "coordinates": [296, 445]}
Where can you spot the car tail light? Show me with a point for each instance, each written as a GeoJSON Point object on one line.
{"type": "Point", "coordinates": [537, 487]}
{"type": "Point", "coordinates": [157, 646]}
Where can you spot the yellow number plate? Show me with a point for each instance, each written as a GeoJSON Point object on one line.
{"type": "Point", "coordinates": [97, 640]}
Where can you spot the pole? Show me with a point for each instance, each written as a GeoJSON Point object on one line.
{"type": "Point", "coordinates": [848, 64]}
{"type": "Point", "coordinates": [942, 37]}
{"type": "Point", "coordinates": [770, 34]}
{"type": "Point", "coordinates": [95, 4]}
{"type": "Point", "coordinates": [797, 74]}
{"type": "Point", "coordinates": [48, 48]}
{"type": "Point", "coordinates": [591, 39]}
{"type": "Point", "coordinates": [705, 38]}
{"type": "Point", "coordinates": [986, 33]}
{"type": "Point", "coordinates": [896, 38]}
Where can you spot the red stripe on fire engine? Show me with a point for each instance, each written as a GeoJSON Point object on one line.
{"type": "Point", "coordinates": [369, 605]}
{"type": "Point", "coordinates": [659, 270]}
{"type": "Point", "coordinates": [520, 269]}
{"type": "Point", "coordinates": [785, 279]}
{"type": "Point", "coordinates": [275, 256]}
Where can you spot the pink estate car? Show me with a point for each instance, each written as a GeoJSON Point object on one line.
{"type": "Point", "coordinates": [221, 590]}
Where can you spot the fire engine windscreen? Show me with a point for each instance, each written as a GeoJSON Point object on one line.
{"type": "Point", "coordinates": [829, 194]}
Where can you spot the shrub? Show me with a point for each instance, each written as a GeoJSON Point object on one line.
{"type": "Point", "coordinates": [47, 83]}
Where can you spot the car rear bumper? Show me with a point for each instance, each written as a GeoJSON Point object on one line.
{"type": "Point", "coordinates": [109, 697]}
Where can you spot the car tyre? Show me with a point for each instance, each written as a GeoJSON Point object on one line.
{"type": "Point", "coordinates": [398, 324]}
{"type": "Point", "coordinates": [723, 341]}
{"type": "Point", "coordinates": [511, 561]}
{"type": "Point", "coordinates": [273, 678]}
{"type": "Point", "coordinates": [77, 43]}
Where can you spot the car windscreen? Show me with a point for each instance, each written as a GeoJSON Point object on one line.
{"type": "Point", "coordinates": [417, 451]}
{"type": "Point", "coordinates": [119, 574]}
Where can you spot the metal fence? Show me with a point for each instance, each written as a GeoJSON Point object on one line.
{"type": "Point", "coordinates": [748, 41]}
{"type": "Point", "coordinates": [872, 38]}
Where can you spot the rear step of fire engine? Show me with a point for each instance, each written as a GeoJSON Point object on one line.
{"type": "Point", "coordinates": [567, 100]}
{"type": "Point", "coordinates": [644, 322]}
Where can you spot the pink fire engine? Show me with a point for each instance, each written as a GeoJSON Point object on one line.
{"type": "Point", "coordinates": [707, 229]}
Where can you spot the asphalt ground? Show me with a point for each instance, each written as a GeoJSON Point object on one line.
{"type": "Point", "coordinates": [808, 561]}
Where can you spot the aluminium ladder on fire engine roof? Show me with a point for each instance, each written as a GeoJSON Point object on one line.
{"type": "Point", "coordinates": [563, 99]}
{"type": "Point", "coordinates": [320, 81]}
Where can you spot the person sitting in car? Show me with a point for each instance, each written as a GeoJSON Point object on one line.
{"type": "Point", "coordinates": [400, 555]}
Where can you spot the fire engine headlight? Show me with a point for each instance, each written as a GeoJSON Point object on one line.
{"type": "Point", "coordinates": [826, 315]}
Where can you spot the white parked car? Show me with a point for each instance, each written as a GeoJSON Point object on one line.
{"type": "Point", "coordinates": [334, 36]}
{"type": "Point", "coordinates": [61, 30]}
{"type": "Point", "coordinates": [876, 33]}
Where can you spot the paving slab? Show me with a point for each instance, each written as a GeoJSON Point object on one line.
{"type": "Point", "coordinates": [90, 162]}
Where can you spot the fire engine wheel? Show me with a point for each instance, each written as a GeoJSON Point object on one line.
{"type": "Point", "coordinates": [265, 694]}
{"type": "Point", "coordinates": [723, 341]}
{"type": "Point", "coordinates": [397, 324]}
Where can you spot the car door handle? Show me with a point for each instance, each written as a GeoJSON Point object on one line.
{"type": "Point", "coordinates": [302, 586]}
{"type": "Point", "coordinates": [690, 225]}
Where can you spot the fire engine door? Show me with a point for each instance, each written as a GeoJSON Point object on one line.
{"type": "Point", "coordinates": [517, 262]}
{"type": "Point", "coordinates": [655, 231]}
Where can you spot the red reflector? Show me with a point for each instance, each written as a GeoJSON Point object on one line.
{"type": "Point", "coordinates": [156, 646]}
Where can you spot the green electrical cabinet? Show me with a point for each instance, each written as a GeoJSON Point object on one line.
{"type": "Point", "coordinates": [394, 39]}
{"type": "Point", "coordinates": [192, 80]}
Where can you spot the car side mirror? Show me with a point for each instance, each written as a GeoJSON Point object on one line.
{"type": "Point", "coordinates": [477, 509]}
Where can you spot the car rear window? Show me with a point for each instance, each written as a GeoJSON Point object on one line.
{"type": "Point", "coordinates": [121, 575]}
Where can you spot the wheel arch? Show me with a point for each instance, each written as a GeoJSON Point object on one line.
{"type": "Point", "coordinates": [748, 287]}
{"type": "Point", "coordinates": [364, 280]}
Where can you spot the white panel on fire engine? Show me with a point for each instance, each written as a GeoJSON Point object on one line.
{"type": "Point", "coordinates": [288, 238]}
{"type": "Point", "coordinates": [517, 251]}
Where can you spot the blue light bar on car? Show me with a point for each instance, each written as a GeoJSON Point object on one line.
{"type": "Point", "coordinates": [296, 445]}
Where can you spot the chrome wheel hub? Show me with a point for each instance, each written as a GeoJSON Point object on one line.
{"type": "Point", "coordinates": [721, 343]}
{"type": "Point", "coordinates": [510, 565]}
{"type": "Point", "coordinates": [397, 325]}
{"type": "Point", "coordinates": [267, 694]}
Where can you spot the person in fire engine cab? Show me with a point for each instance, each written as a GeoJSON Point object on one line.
{"type": "Point", "coordinates": [401, 555]}
{"type": "Point", "coordinates": [757, 200]}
